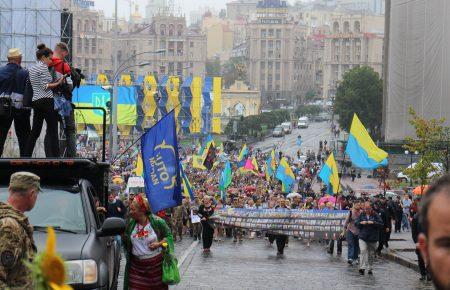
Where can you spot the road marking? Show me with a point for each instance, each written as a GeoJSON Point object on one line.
{"type": "Point", "coordinates": [186, 253]}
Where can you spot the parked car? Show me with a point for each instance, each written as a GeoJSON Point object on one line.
{"type": "Point", "coordinates": [87, 243]}
{"type": "Point", "coordinates": [278, 131]}
{"type": "Point", "coordinates": [287, 127]}
{"type": "Point", "coordinates": [438, 170]}
{"type": "Point", "coordinates": [303, 122]}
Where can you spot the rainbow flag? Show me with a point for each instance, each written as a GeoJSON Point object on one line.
{"type": "Point", "coordinates": [330, 175]}
{"type": "Point", "coordinates": [362, 150]}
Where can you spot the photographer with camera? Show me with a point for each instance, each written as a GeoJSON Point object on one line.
{"type": "Point", "coordinates": [13, 83]}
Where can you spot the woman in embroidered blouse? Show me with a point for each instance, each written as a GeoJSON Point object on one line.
{"type": "Point", "coordinates": [145, 239]}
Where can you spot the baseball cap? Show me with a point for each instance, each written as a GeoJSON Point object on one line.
{"type": "Point", "coordinates": [24, 180]}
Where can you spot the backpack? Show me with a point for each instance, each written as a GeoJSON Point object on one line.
{"type": "Point", "coordinates": [76, 75]}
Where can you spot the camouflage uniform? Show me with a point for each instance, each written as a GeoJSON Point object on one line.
{"type": "Point", "coordinates": [177, 222]}
{"type": "Point", "coordinates": [16, 246]}
{"type": "Point", "coordinates": [16, 237]}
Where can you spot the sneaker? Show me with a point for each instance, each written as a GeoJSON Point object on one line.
{"type": "Point", "coordinates": [370, 272]}
{"type": "Point", "coordinates": [361, 271]}
{"type": "Point", "coordinates": [350, 261]}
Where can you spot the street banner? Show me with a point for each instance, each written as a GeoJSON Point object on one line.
{"type": "Point", "coordinates": [159, 149]}
{"type": "Point", "coordinates": [302, 223]}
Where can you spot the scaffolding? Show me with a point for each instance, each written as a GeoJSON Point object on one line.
{"type": "Point", "coordinates": [26, 23]}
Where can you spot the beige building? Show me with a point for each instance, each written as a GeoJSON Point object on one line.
{"type": "Point", "coordinates": [277, 60]}
{"type": "Point", "coordinates": [240, 100]}
{"type": "Point", "coordinates": [354, 40]}
{"type": "Point", "coordinates": [241, 9]}
{"type": "Point", "coordinates": [183, 49]}
{"type": "Point", "coordinates": [220, 38]}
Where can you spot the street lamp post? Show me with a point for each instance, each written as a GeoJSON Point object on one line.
{"type": "Point", "coordinates": [113, 110]}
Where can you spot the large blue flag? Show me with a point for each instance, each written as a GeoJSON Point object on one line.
{"type": "Point", "coordinates": [159, 148]}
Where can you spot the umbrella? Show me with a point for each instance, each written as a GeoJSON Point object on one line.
{"type": "Point", "coordinates": [117, 180]}
{"type": "Point", "coordinates": [293, 194]}
{"type": "Point", "coordinates": [233, 190]}
{"type": "Point", "coordinates": [249, 188]}
{"type": "Point", "coordinates": [420, 189]}
{"type": "Point", "coordinates": [327, 198]}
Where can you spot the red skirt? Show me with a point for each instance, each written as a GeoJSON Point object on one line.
{"type": "Point", "coordinates": [146, 274]}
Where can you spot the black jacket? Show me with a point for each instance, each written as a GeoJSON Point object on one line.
{"type": "Point", "coordinates": [369, 233]}
{"type": "Point", "coordinates": [416, 228]}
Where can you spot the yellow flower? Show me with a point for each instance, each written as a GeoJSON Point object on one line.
{"type": "Point", "coordinates": [164, 245]}
{"type": "Point", "coordinates": [52, 265]}
{"type": "Point", "coordinates": [54, 286]}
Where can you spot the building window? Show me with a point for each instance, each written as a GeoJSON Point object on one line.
{"type": "Point", "coordinates": [191, 44]}
{"type": "Point", "coordinates": [263, 33]}
{"type": "Point", "coordinates": [86, 46]}
{"type": "Point", "coordinates": [78, 25]}
{"type": "Point", "coordinates": [162, 29]}
{"type": "Point", "coordinates": [94, 26]}
{"type": "Point", "coordinates": [278, 33]}
{"type": "Point", "coordinates": [162, 44]}
{"type": "Point", "coordinates": [179, 68]}
{"type": "Point", "coordinates": [171, 29]}
{"type": "Point", "coordinates": [180, 30]}
{"type": "Point", "coordinates": [335, 27]}
{"type": "Point", "coordinates": [271, 32]}
{"type": "Point", "coordinates": [94, 45]}
{"type": "Point", "coordinates": [346, 27]}
{"type": "Point", "coordinates": [357, 27]}
{"type": "Point", "coordinates": [270, 44]}
{"type": "Point", "coordinates": [263, 65]}
{"type": "Point", "coordinates": [79, 45]}
{"type": "Point", "coordinates": [86, 26]}
{"type": "Point", "coordinates": [86, 64]}
{"type": "Point", "coordinates": [277, 66]}
{"type": "Point", "coordinates": [171, 68]}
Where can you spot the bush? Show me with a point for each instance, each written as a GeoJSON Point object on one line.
{"type": "Point", "coordinates": [252, 125]}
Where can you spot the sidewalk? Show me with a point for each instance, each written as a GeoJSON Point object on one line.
{"type": "Point", "coordinates": [402, 250]}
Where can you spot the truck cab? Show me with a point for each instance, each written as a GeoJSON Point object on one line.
{"type": "Point", "coordinates": [86, 241]}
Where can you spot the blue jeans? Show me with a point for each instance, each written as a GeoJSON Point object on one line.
{"type": "Point", "coordinates": [405, 222]}
{"type": "Point", "coordinates": [353, 246]}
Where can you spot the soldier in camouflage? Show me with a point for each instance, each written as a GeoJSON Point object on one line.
{"type": "Point", "coordinates": [16, 235]}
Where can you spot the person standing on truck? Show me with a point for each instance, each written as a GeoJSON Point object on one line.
{"type": "Point", "coordinates": [16, 234]}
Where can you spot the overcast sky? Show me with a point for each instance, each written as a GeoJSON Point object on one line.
{"type": "Point", "coordinates": [186, 5]}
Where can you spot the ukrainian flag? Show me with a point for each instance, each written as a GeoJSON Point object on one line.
{"type": "Point", "coordinates": [242, 156]}
{"type": "Point", "coordinates": [273, 161]}
{"type": "Point", "coordinates": [330, 175]}
{"type": "Point", "coordinates": [285, 175]}
{"type": "Point", "coordinates": [187, 187]}
{"type": "Point", "coordinates": [362, 150]}
{"type": "Point", "coordinates": [96, 96]}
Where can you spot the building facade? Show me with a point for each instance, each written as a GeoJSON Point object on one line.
{"type": "Point", "coordinates": [354, 40]}
{"type": "Point", "coordinates": [277, 55]}
{"type": "Point", "coordinates": [242, 9]}
{"type": "Point", "coordinates": [220, 38]}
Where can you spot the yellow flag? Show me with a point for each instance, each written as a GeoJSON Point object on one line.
{"type": "Point", "coordinates": [139, 166]}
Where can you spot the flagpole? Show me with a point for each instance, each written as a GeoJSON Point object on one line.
{"type": "Point", "coordinates": [138, 139]}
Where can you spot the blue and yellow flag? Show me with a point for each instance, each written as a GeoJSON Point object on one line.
{"type": "Point", "coordinates": [362, 150]}
{"type": "Point", "coordinates": [330, 175]}
{"type": "Point", "coordinates": [225, 177]}
{"type": "Point", "coordinates": [188, 192]}
{"type": "Point", "coordinates": [139, 170]}
{"type": "Point", "coordinates": [159, 149]}
{"type": "Point", "coordinates": [242, 156]}
{"type": "Point", "coordinates": [285, 175]}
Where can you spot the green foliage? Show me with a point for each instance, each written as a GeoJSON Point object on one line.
{"type": "Point", "coordinates": [310, 96]}
{"type": "Point", "coordinates": [361, 92]}
{"type": "Point", "coordinates": [309, 110]}
{"type": "Point", "coordinates": [253, 125]}
{"type": "Point", "coordinates": [430, 136]}
{"type": "Point", "coordinates": [213, 68]}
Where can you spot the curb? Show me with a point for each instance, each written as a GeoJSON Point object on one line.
{"type": "Point", "coordinates": [186, 253]}
{"type": "Point", "coordinates": [392, 256]}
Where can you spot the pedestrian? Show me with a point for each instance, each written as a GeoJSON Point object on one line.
{"type": "Point", "coordinates": [352, 232]}
{"type": "Point", "coordinates": [43, 103]}
{"type": "Point", "coordinates": [195, 220]}
{"type": "Point", "coordinates": [17, 246]}
{"type": "Point", "coordinates": [177, 222]}
{"type": "Point", "coordinates": [353, 174]}
{"type": "Point", "coordinates": [398, 214]}
{"type": "Point", "coordinates": [406, 203]}
{"type": "Point", "coordinates": [205, 211]}
{"type": "Point", "coordinates": [280, 239]}
{"type": "Point", "coordinates": [60, 69]}
{"type": "Point", "coordinates": [115, 207]}
{"type": "Point", "coordinates": [369, 224]}
{"type": "Point", "coordinates": [416, 229]}
{"type": "Point", "coordinates": [434, 242]}
{"type": "Point", "coordinates": [13, 81]}
{"type": "Point", "coordinates": [145, 238]}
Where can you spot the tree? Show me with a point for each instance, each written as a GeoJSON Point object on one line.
{"type": "Point", "coordinates": [213, 68]}
{"type": "Point", "coordinates": [310, 96]}
{"type": "Point", "coordinates": [312, 110]}
{"type": "Point", "coordinates": [361, 92]}
{"type": "Point", "coordinates": [431, 142]}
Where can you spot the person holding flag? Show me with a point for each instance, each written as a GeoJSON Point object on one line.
{"type": "Point", "coordinates": [242, 156]}
{"type": "Point", "coordinates": [285, 175]}
{"type": "Point", "coordinates": [330, 175]}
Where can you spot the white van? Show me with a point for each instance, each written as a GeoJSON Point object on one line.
{"type": "Point", "coordinates": [287, 127]}
{"type": "Point", "coordinates": [135, 185]}
{"type": "Point", "coordinates": [303, 122]}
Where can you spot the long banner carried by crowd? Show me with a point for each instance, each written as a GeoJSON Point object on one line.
{"type": "Point", "coordinates": [301, 223]}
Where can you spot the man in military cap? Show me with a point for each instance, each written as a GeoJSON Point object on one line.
{"type": "Point", "coordinates": [16, 235]}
